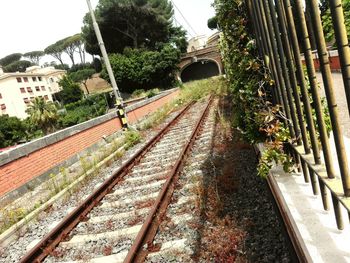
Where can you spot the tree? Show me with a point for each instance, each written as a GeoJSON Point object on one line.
{"type": "Point", "coordinates": [79, 43]}
{"type": "Point", "coordinates": [20, 66]}
{"type": "Point", "coordinates": [43, 114]}
{"type": "Point", "coordinates": [12, 131]}
{"type": "Point", "coordinates": [10, 59]}
{"type": "Point", "coordinates": [74, 44]}
{"type": "Point", "coordinates": [142, 69]}
{"type": "Point", "coordinates": [213, 23]}
{"type": "Point", "coordinates": [178, 38]}
{"type": "Point", "coordinates": [130, 23]}
{"type": "Point", "coordinates": [97, 64]}
{"type": "Point", "coordinates": [82, 76]}
{"type": "Point", "coordinates": [55, 50]}
{"type": "Point", "coordinates": [34, 56]}
{"type": "Point", "coordinates": [71, 91]}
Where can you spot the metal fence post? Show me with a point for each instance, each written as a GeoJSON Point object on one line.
{"type": "Point", "coordinates": [313, 83]}
{"type": "Point", "coordinates": [290, 82]}
{"type": "Point", "coordinates": [300, 74]}
{"type": "Point", "coordinates": [342, 44]}
{"type": "Point", "coordinates": [329, 89]}
{"type": "Point", "coordinates": [289, 109]}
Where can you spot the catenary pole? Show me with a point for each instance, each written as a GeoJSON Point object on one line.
{"type": "Point", "coordinates": [119, 101]}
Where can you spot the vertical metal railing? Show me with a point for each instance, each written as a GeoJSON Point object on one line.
{"type": "Point", "coordinates": [275, 30]}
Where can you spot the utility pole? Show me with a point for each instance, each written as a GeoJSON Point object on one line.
{"type": "Point", "coordinates": [119, 102]}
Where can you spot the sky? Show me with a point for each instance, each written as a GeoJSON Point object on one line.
{"type": "Point", "coordinates": [28, 25]}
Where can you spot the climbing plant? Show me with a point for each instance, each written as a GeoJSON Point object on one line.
{"type": "Point", "coordinates": [251, 85]}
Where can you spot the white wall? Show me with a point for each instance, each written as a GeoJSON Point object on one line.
{"type": "Point", "coordinates": [13, 98]}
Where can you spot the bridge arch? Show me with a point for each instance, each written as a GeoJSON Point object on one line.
{"type": "Point", "coordinates": [206, 61]}
{"type": "Point", "coordinates": [199, 68]}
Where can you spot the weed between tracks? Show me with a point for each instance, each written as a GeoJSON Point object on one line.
{"type": "Point", "coordinates": [237, 221]}
{"type": "Point", "coordinates": [89, 167]}
{"type": "Point", "coordinates": [220, 238]}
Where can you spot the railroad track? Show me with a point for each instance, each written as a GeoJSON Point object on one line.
{"type": "Point", "coordinates": [120, 219]}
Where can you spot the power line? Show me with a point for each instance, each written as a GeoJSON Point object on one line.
{"type": "Point", "coordinates": [178, 23]}
{"type": "Point", "coordinates": [184, 18]}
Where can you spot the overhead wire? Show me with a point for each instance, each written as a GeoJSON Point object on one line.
{"type": "Point", "coordinates": [184, 18]}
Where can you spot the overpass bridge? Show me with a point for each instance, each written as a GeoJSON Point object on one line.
{"type": "Point", "coordinates": [199, 64]}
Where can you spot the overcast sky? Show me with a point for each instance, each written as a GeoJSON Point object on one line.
{"type": "Point", "coordinates": [35, 24]}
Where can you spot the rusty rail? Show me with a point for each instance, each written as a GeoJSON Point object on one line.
{"type": "Point", "coordinates": [55, 236]}
{"type": "Point", "coordinates": [153, 220]}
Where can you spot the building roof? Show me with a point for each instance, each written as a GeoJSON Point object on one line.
{"type": "Point", "coordinates": [32, 71]}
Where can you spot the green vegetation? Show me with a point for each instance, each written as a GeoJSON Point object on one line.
{"type": "Point", "coordinates": [19, 65]}
{"type": "Point", "coordinates": [133, 23]}
{"type": "Point", "coordinates": [142, 69]}
{"type": "Point", "coordinates": [43, 114]}
{"type": "Point", "coordinates": [68, 45]}
{"type": "Point", "coordinates": [250, 85]}
{"type": "Point", "coordinates": [10, 217]}
{"type": "Point", "coordinates": [7, 60]}
{"type": "Point", "coordinates": [70, 92]}
{"type": "Point", "coordinates": [191, 91]}
{"type": "Point", "coordinates": [45, 118]}
{"type": "Point", "coordinates": [34, 56]}
{"type": "Point", "coordinates": [144, 44]}
{"type": "Point", "coordinates": [12, 130]}
{"type": "Point", "coordinates": [83, 110]}
{"type": "Point", "coordinates": [139, 93]}
{"type": "Point", "coordinates": [82, 76]}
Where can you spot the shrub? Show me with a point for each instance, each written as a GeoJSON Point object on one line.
{"type": "Point", "coordinates": [71, 91]}
{"type": "Point", "coordinates": [83, 110]}
{"type": "Point", "coordinates": [140, 69]}
{"type": "Point", "coordinates": [12, 130]}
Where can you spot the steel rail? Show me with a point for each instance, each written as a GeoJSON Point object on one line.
{"type": "Point", "coordinates": [153, 220]}
{"type": "Point", "coordinates": [55, 236]}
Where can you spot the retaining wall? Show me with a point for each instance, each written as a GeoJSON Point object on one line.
{"type": "Point", "coordinates": [334, 61]}
{"type": "Point", "coordinates": [26, 162]}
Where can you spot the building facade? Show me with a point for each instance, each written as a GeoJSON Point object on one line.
{"type": "Point", "coordinates": [17, 90]}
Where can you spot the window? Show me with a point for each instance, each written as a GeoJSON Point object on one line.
{"type": "Point", "coordinates": [29, 89]}
{"type": "Point", "coordinates": [0, 96]}
{"type": "Point", "coordinates": [26, 100]}
{"type": "Point", "coordinates": [39, 78]}
{"type": "Point", "coordinates": [43, 88]}
{"type": "Point", "coordinates": [19, 80]}
{"type": "Point", "coordinates": [34, 79]}
{"type": "Point", "coordinates": [23, 90]}
{"type": "Point", "coordinates": [3, 107]}
{"type": "Point", "coordinates": [46, 97]}
{"type": "Point", "coordinates": [37, 88]}
{"type": "Point", "coordinates": [25, 79]}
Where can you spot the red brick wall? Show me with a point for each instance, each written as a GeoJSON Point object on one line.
{"type": "Point", "coordinates": [333, 61]}
{"type": "Point", "coordinates": [22, 170]}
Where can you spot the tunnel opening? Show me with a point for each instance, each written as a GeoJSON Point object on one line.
{"type": "Point", "coordinates": [200, 70]}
